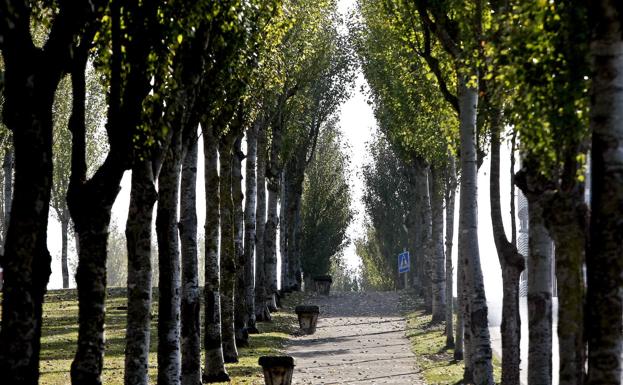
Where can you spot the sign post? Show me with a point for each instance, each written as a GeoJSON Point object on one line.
{"type": "Point", "coordinates": [404, 265]}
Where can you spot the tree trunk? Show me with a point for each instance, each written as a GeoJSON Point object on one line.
{"type": "Point", "coordinates": [437, 255]}
{"type": "Point", "coordinates": [604, 262]}
{"type": "Point", "coordinates": [449, 199]}
{"type": "Point", "coordinates": [191, 302]}
{"type": "Point", "coordinates": [468, 359]}
{"type": "Point", "coordinates": [249, 227]}
{"type": "Point", "coordinates": [270, 246]}
{"type": "Point", "coordinates": [565, 217]}
{"type": "Point", "coordinates": [273, 173]}
{"type": "Point", "coordinates": [240, 313]}
{"type": "Point", "coordinates": [228, 249]}
{"type": "Point", "coordinates": [294, 181]}
{"type": "Point", "coordinates": [511, 262]}
{"type": "Point", "coordinates": [414, 225]}
{"type": "Point", "coordinates": [426, 229]}
{"type": "Point", "coordinates": [459, 351]}
{"type": "Point", "coordinates": [90, 204]}
{"type": "Point", "coordinates": [26, 260]}
{"type": "Point", "coordinates": [262, 313]}
{"type": "Point", "coordinates": [284, 229]}
{"type": "Point", "coordinates": [214, 361]}
{"type": "Point", "coordinates": [468, 235]}
{"type": "Point", "coordinates": [64, 236]}
{"type": "Point", "coordinates": [138, 233]}
{"type": "Point", "coordinates": [539, 297]}
{"type": "Point", "coordinates": [296, 246]}
{"type": "Point", "coordinates": [169, 269]}
{"type": "Point", "coordinates": [7, 167]}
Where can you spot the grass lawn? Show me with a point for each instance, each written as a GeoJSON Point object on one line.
{"type": "Point", "coordinates": [428, 342]}
{"type": "Point", "coordinates": [60, 333]}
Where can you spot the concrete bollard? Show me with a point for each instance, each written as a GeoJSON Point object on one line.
{"type": "Point", "coordinates": [323, 284]}
{"type": "Point", "coordinates": [308, 317]}
{"type": "Point", "coordinates": [277, 369]}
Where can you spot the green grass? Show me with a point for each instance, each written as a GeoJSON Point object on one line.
{"type": "Point", "coordinates": [60, 333]}
{"type": "Point", "coordinates": [428, 342]}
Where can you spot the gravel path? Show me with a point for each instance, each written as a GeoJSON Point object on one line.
{"type": "Point", "coordinates": [360, 339]}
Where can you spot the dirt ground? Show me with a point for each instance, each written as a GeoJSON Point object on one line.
{"type": "Point", "coordinates": [360, 339]}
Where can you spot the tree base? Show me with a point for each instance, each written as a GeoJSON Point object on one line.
{"type": "Point", "coordinates": [211, 378]}
{"type": "Point", "coordinates": [230, 359]}
{"type": "Point", "coordinates": [263, 314]}
{"type": "Point", "coordinates": [253, 330]}
{"type": "Point", "coordinates": [242, 337]}
{"type": "Point", "coordinates": [458, 356]}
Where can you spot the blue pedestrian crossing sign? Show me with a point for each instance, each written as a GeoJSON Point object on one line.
{"type": "Point", "coordinates": [403, 262]}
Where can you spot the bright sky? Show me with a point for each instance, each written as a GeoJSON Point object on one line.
{"type": "Point", "coordinates": [357, 123]}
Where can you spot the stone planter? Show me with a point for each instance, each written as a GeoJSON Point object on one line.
{"type": "Point", "coordinates": [323, 284]}
{"type": "Point", "coordinates": [308, 317]}
{"type": "Point", "coordinates": [277, 369]}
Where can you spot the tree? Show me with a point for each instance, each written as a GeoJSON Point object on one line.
{"type": "Point", "coordinates": [384, 199]}
{"type": "Point", "coordinates": [325, 206]}
{"type": "Point", "coordinates": [551, 120]}
{"type": "Point", "coordinates": [604, 265]}
{"type": "Point", "coordinates": [190, 304]}
{"type": "Point", "coordinates": [313, 107]}
{"type": "Point", "coordinates": [62, 149]}
{"type": "Point", "coordinates": [214, 370]}
{"type": "Point", "coordinates": [262, 312]}
{"type": "Point", "coordinates": [459, 38]}
{"type": "Point", "coordinates": [449, 198]}
{"type": "Point", "coordinates": [376, 273]}
{"type": "Point", "coordinates": [422, 144]}
{"type": "Point", "coordinates": [250, 224]}
{"type": "Point", "coordinates": [32, 74]}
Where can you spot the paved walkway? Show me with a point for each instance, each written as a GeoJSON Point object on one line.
{"type": "Point", "coordinates": [360, 339]}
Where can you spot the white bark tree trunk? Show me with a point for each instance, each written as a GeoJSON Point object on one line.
{"type": "Point", "coordinates": [138, 233]}
{"type": "Point", "coordinates": [437, 255]}
{"type": "Point", "coordinates": [249, 226]}
{"type": "Point", "coordinates": [449, 199]}
{"type": "Point", "coordinates": [190, 304]}
{"type": "Point", "coordinates": [468, 237]}
{"type": "Point", "coordinates": [228, 249]}
{"type": "Point", "coordinates": [214, 370]}
{"type": "Point", "coordinates": [169, 280]}
{"type": "Point", "coordinates": [262, 313]}
{"type": "Point", "coordinates": [539, 298]}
